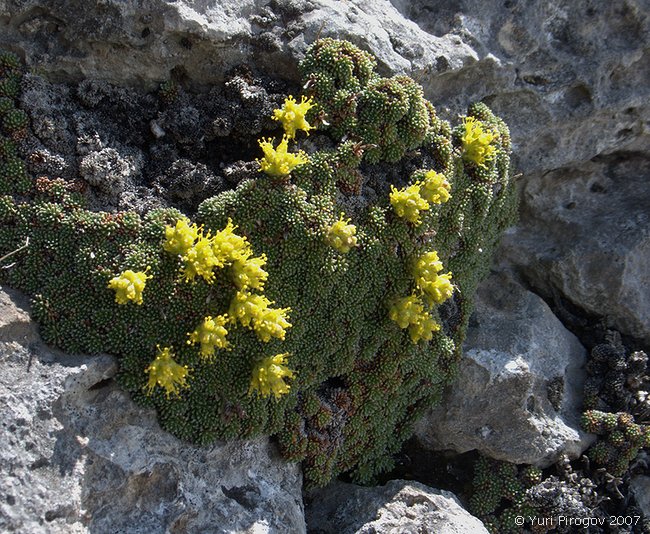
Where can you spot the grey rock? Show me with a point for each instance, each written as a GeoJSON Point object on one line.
{"type": "Point", "coordinates": [641, 488]}
{"type": "Point", "coordinates": [15, 323]}
{"type": "Point", "coordinates": [145, 42]}
{"type": "Point", "coordinates": [399, 507]}
{"type": "Point", "coordinates": [78, 456]}
{"type": "Point", "coordinates": [517, 394]}
{"type": "Point", "coordinates": [584, 237]}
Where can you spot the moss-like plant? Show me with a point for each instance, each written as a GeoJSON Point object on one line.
{"type": "Point", "coordinates": [278, 311]}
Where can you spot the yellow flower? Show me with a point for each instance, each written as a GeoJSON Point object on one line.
{"type": "Point", "coordinates": [248, 272]}
{"type": "Point", "coordinates": [423, 328]}
{"type": "Point", "coordinates": [476, 142]}
{"type": "Point", "coordinates": [253, 311]}
{"type": "Point", "coordinates": [166, 373]}
{"type": "Point", "coordinates": [211, 334]}
{"type": "Point", "coordinates": [200, 260]}
{"type": "Point", "coordinates": [408, 203]}
{"type": "Point", "coordinates": [129, 286]}
{"type": "Point", "coordinates": [278, 162]}
{"type": "Point", "coordinates": [272, 322]}
{"type": "Point", "coordinates": [436, 287]}
{"type": "Point", "coordinates": [435, 188]}
{"type": "Point", "coordinates": [268, 376]}
{"type": "Point", "coordinates": [228, 246]}
{"type": "Point", "coordinates": [427, 267]}
{"type": "Point", "coordinates": [408, 312]}
{"type": "Point", "coordinates": [245, 307]}
{"type": "Point", "coordinates": [341, 235]}
{"type": "Point", "coordinates": [439, 289]}
{"type": "Point", "coordinates": [292, 116]}
{"type": "Point", "coordinates": [179, 239]}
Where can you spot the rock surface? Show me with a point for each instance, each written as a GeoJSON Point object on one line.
{"type": "Point", "coordinates": [641, 488]}
{"type": "Point", "coordinates": [78, 456]}
{"type": "Point", "coordinates": [399, 507]}
{"type": "Point", "coordinates": [584, 237]}
{"type": "Point", "coordinates": [518, 390]}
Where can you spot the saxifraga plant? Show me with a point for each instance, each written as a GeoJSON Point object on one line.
{"type": "Point", "coordinates": [278, 310]}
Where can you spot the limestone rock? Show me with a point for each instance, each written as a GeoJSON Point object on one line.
{"type": "Point", "coordinates": [146, 42]}
{"type": "Point", "coordinates": [399, 507]}
{"type": "Point", "coordinates": [641, 487]}
{"type": "Point", "coordinates": [517, 394]}
{"type": "Point", "coordinates": [78, 456]}
{"type": "Point", "coordinates": [584, 236]}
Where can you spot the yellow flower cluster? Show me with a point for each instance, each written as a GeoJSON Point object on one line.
{"type": "Point", "coordinates": [201, 253]}
{"type": "Point", "coordinates": [180, 238]}
{"type": "Point", "coordinates": [166, 373]}
{"type": "Point", "coordinates": [341, 235]}
{"type": "Point", "coordinates": [129, 286]}
{"type": "Point", "coordinates": [248, 273]}
{"type": "Point", "coordinates": [279, 162]}
{"type": "Point", "coordinates": [408, 312]}
{"type": "Point", "coordinates": [200, 260]}
{"type": "Point", "coordinates": [253, 311]}
{"type": "Point", "coordinates": [436, 287]}
{"type": "Point", "coordinates": [435, 188]}
{"type": "Point", "coordinates": [268, 376]}
{"type": "Point", "coordinates": [211, 334]}
{"type": "Point", "coordinates": [292, 115]}
{"type": "Point", "coordinates": [410, 201]}
{"type": "Point", "coordinates": [477, 141]}
{"type": "Point", "coordinates": [230, 247]}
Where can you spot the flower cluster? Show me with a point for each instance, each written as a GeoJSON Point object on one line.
{"type": "Point", "coordinates": [477, 140]}
{"type": "Point", "coordinates": [129, 286]}
{"type": "Point", "coordinates": [166, 373]}
{"type": "Point", "coordinates": [436, 287]}
{"type": "Point", "coordinates": [408, 312]}
{"type": "Point", "coordinates": [230, 247]}
{"type": "Point", "coordinates": [435, 188]}
{"type": "Point", "coordinates": [292, 115]}
{"type": "Point", "coordinates": [180, 238]}
{"type": "Point", "coordinates": [201, 253]}
{"type": "Point", "coordinates": [268, 376]}
{"type": "Point", "coordinates": [248, 273]}
{"type": "Point", "coordinates": [341, 235]}
{"type": "Point", "coordinates": [211, 334]}
{"type": "Point", "coordinates": [408, 202]}
{"type": "Point", "coordinates": [254, 311]}
{"type": "Point", "coordinates": [279, 162]}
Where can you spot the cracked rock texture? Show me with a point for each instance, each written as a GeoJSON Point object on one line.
{"type": "Point", "coordinates": [519, 387]}
{"type": "Point", "coordinates": [399, 507]}
{"type": "Point", "coordinates": [584, 238]}
{"type": "Point", "coordinates": [78, 456]}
